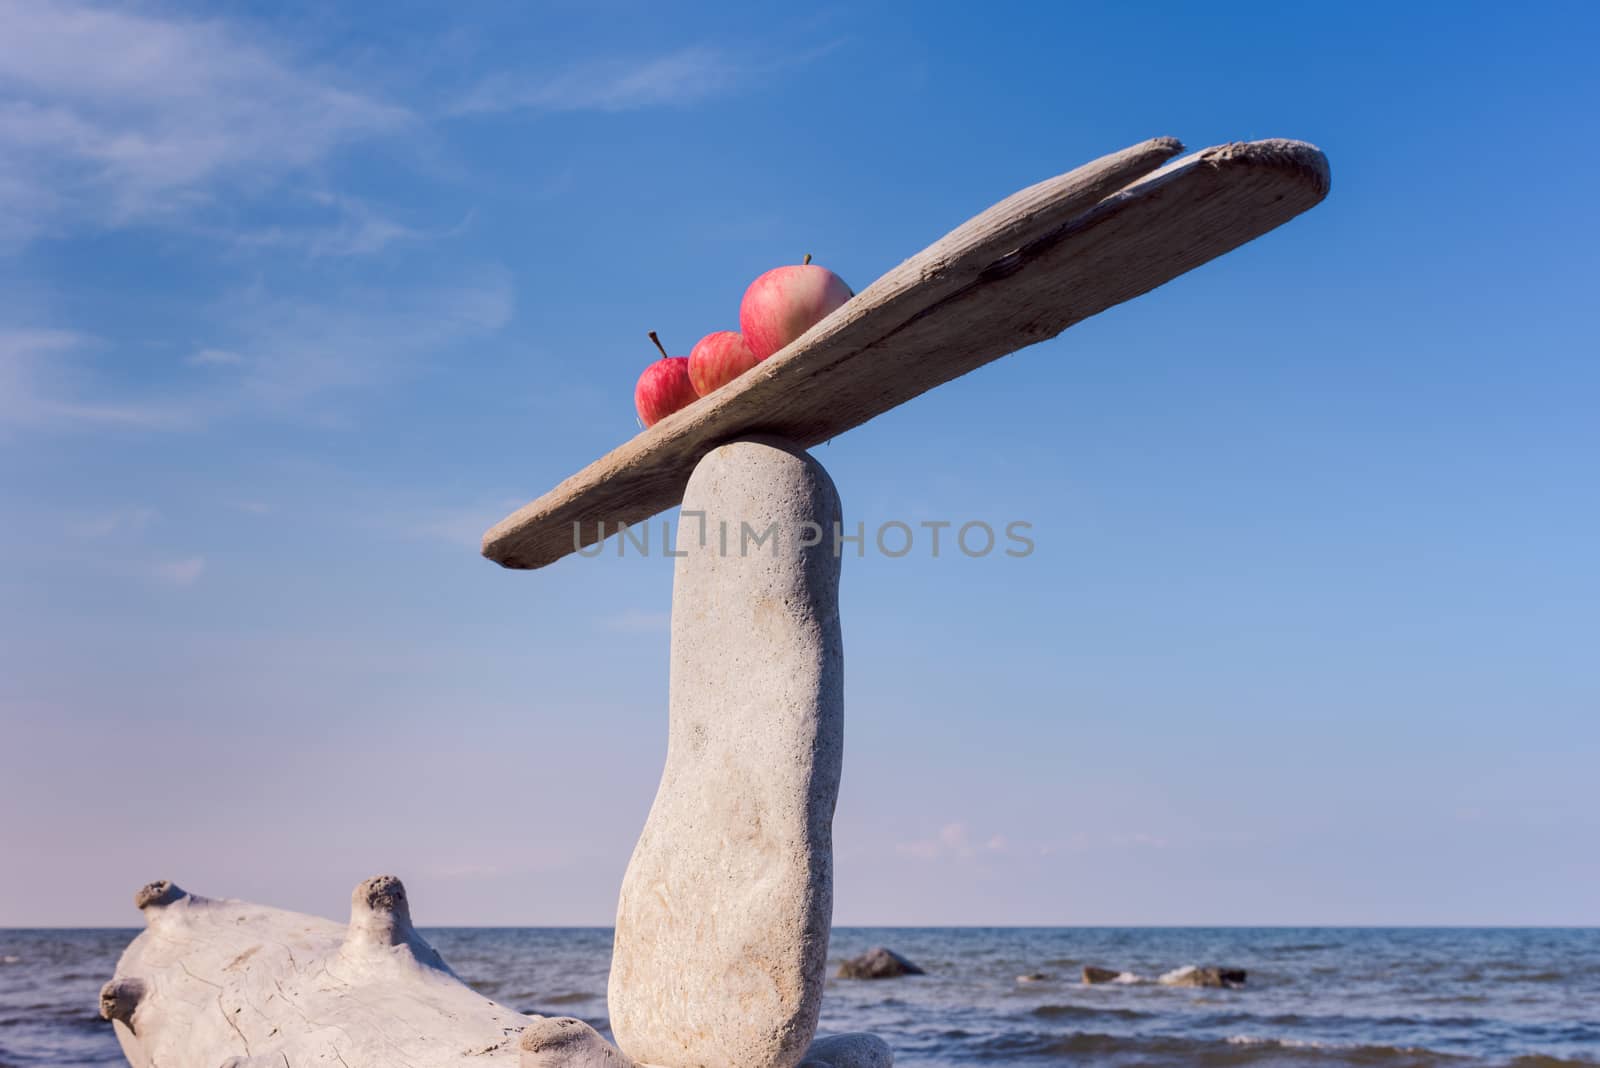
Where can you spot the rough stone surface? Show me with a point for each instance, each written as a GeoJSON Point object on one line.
{"type": "Point", "coordinates": [1092, 974]}
{"type": "Point", "coordinates": [1192, 975]}
{"type": "Point", "coordinates": [853, 1050]}
{"type": "Point", "coordinates": [563, 1042]}
{"type": "Point", "coordinates": [878, 963]}
{"type": "Point", "coordinates": [723, 919]}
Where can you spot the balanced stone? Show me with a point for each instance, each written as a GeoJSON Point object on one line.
{"type": "Point", "coordinates": [722, 923]}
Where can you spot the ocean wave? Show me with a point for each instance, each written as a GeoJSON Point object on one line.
{"type": "Point", "coordinates": [1535, 977]}
{"type": "Point", "coordinates": [1246, 1050]}
{"type": "Point", "coordinates": [1341, 1047]}
{"type": "Point", "coordinates": [1242, 1050]}
{"type": "Point", "coordinates": [1285, 1043]}
{"type": "Point", "coordinates": [1335, 1020]}
{"type": "Point", "coordinates": [1375, 1000]}
{"type": "Point", "coordinates": [1070, 1012]}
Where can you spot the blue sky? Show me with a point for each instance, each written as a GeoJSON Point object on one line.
{"type": "Point", "coordinates": [297, 301]}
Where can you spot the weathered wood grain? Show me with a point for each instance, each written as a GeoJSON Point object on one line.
{"type": "Point", "coordinates": [1019, 273]}
{"type": "Point", "coordinates": [219, 982]}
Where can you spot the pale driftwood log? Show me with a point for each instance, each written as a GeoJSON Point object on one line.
{"type": "Point", "coordinates": [213, 982]}
{"type": "Point", "coordinates": [1020, 273]}
{"type": "Point", "coordinates": [226, 984]}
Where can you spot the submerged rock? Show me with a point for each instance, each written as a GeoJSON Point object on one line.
{"type": "Point", "coordinates": [853, 1050]}
{"type": "Point", "coordinates": [1034, 977]}
{"type": "Point", "coordinates": [878, 963]}
{"type": "Point", "coordinates": [1192, 975]}
{"type": "Point", "coordinates": [1093, 975]}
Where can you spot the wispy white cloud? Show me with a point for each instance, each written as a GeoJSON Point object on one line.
{"type": "Point", "coordinates": [215, 358]}
{"type": "Point", "coordinates": [953, 841]}
{"type": "Point", "coordinates": [297, 349]}
{"type": "Point", "coordinates": [959, 842]}
{"type": "Point", "coordinates": [281, 354]}
{"type": "Point", "coordinates": [43, 384]}
{"type": "Point", "coordinates": [185, 572]}
{"type": "Point", "coordinates": [117, 116]}
{"type": "Point", "coordinates": [1085, 841]}
{"type": "Point", "coordinates": [681, 77]}
{"type": "Point", "coordinates": [351, 227]}
{"type": "Point", "coordinates": [123, 521]}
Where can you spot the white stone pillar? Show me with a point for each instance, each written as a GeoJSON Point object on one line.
{"type": "Point", "coordinates": [723, 921]}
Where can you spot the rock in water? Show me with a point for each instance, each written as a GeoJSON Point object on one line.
{"type": "Point", "coordinates": [1093, 975]}
{"type": "Point", "coordinates": [722, 925]}
{"type": "Point", "coordinates": [878, 963]}
{"type": "Point", "coordinates": [1191, 975]}
{"type": "Point", "coordinates": [849, 1051]}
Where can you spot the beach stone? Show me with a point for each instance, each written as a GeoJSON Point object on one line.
{"type": "Point", "coordinates": [722, 924]}
{"type": "Point", "coordinates": [1192, 975]}
{"type": "Point", "coordinates": [878, 963]}
{"type": "Point", "coordinates": [565, 1042]}
{"type": "Point", "coordinates": [855, 1050]}
{"type": "Point", "coordinates": [1093, 975]}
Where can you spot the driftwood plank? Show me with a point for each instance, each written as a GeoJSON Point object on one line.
{"type": "Point", "coordinates": [1020, 273]}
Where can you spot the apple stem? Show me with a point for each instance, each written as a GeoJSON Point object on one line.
{"type": "Point", "coordinates": [806, 260]}
{"type": "Point", "coordinates": [659, 345]}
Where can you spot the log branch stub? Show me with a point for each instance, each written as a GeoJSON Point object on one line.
{"type": "Point", "coordinates": [158, 894]}
{"type": "Point", "coordinates": [380, 919]}
{"type": "Point", "coordinates": [380, 913]}
{"type": "Point", "coordinates": [120, 997]}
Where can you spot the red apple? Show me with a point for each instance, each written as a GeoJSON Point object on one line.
{"type": "Point", "coordinates": [664, 387]}
{"type": "Point", "coordinates": [786, 302]}
{"type": "Point", "coordinates": [718, 359]}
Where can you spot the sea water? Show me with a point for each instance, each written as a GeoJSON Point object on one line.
{"type": "Point", "coordinates": [1528, 998]}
